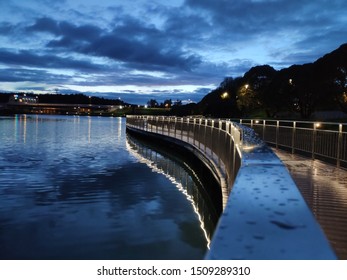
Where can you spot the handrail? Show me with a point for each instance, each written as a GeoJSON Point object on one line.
{"type": "Point", "coordinates": [201, 133]}
{"type": "Point", "coordinates": [265, 216]}
{"type": "Point", "coordinates": [323, 140]}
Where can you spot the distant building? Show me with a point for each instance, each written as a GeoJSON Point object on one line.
{"type": "Point", "coordinates": [23, 98]}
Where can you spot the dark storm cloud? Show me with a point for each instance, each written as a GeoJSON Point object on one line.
{"type": "Point", "coordinates": [146, 53]}
{"type": "Point", "coordinates": [6, 28]}
{"type": "Point", "coordinates": [242, 20]}
{"type": "Point", "coordinates": [30, 59]}
{"type": "Point", "coordinates": [131, 42]}
{"type": "Point", "coordinates": [31, 75]}
{"type": "Point", "coordinates": [46, 25]}
{"type": "Point", "coordinates": [130, 26]}
{"type": "Point", "coordinates": [66, 29]}
{"type": "Point", "coordinates": [249, 15]}
{"type": "Point", "coordinates": [186, 26]}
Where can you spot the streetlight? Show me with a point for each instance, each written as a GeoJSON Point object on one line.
{"type": "Point", "coordinates": [244, 92]}
{"type": "Point", "coordinates": [225, 95]}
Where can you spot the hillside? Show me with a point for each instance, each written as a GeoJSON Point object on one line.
{"type": "Point", "coordinates": [297, 90]}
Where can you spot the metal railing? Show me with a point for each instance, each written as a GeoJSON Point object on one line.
{"type": "Point", "coordinates": [323, 140]}
{"type": "Point", "coordinates": [265, 215]}
{"type": "Point", "coordinates": [220, 140]}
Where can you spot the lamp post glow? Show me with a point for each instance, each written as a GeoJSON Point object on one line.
{"type": "Point", "coordinates": [225, 95]}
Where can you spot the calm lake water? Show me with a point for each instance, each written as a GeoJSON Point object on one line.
{"type": "Point", "coordinates": [79, 188]}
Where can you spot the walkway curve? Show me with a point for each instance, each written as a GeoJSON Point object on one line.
{"type": "Point", "coordinates": [265, 216]}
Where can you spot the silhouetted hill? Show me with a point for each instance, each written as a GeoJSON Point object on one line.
{"type": "Point", "coordinates": [298, 89]}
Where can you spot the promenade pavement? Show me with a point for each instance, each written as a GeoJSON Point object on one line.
{"type": "Point", "coordinates": [324, 188]}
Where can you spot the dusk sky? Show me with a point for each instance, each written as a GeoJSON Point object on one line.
{"type": "Point", "coordinates": [142, 49]}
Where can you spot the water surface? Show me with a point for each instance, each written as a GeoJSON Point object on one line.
{"type": "Point", "coordinates": [72, 188]}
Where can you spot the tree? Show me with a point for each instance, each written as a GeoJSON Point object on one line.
{"type": "Point", "coordinates": [294, 89]}
{"type": "Point", "coordinates": [277, 97]}
{"type": "Point", "coordinates": [252, 89]}
{"type": "Point", "coordinates": [167, 103]}
{"type": "Point", "coordinates": [306, 93]}
{"type": "Point", "coordinates": [221, 102]}
{"type": "Point", "coordinates": [152, 103]}
{"type": "Point", "coordinates": [247, 99]}
{"type": "Point", "coordinates": [340, 85]}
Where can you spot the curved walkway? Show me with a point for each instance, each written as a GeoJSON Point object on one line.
{"type": "Point", "coordinates": [265, 216]}
{"type": "Point", "coordinates": [324, 188]}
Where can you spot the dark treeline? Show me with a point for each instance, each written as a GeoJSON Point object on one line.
{"type": "Point", "coordinates": [66, 99]}
{"type": "Point", "coordinates": [168, 103]}
{"type": "Point", "coordinates": [299, 89]}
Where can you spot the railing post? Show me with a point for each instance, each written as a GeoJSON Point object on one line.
{"type": "Point", "coordinates": [293, 137]}
{"type": "Point", "coordinates": [252, 123]}
{"type": "Point", "coordinates": [212, 129]}
{"type": "Point", "coordinates": [200, 120]}
{"type": "Point", "coordinates": [219, 141]}
{"type": "Point", "coordinates": [205, 136]}
{"type": "Point", "coordinates": [187, 129]}
{"type": "Point", "coordinates": [168, 126]}
{"type": "Point", "coordinates": [161, 120]}
{"type": "Point", "coordinates": [175, 127]}
{"type": "Point", "coordinates": [182, 119]}
{"type": "Point", "coordinates": [264, 127]}
{"type": "Point", "coordinates": [339, 143]}
{"type": "Point", "coordinates": [156, 127]}
{"type": "Point", "coordinates": [314, 140]}
{"type": "Point", "coordinates": [194, 123]}
{"type": "Point", "coordinates": [277, 131]}
{"type": "Point", "coordinates": [233, 146]}
{"type": "Point", "coordinates": [189, 123]}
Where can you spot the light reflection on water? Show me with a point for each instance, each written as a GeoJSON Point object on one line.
{"type": "Point", "coordinates": [185, 179]}
{"type": "Point", "coordinates": [70, 189]}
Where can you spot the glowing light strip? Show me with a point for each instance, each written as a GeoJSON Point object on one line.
{"type": "Point", "coordinates": [179, 186]}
